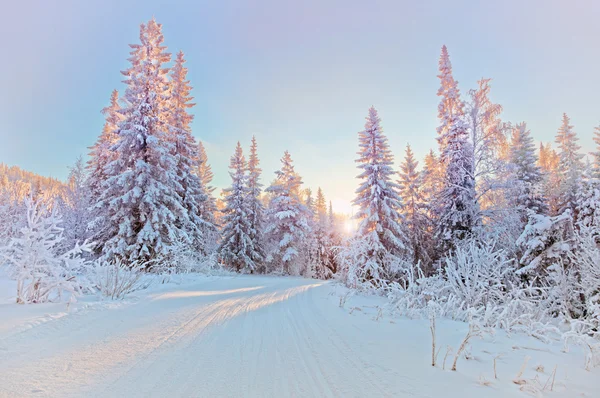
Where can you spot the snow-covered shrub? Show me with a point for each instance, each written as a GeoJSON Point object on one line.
{"type": "Point", "coordinates": [115, 279]}
{"type": "Point", "coordinates": [587, 259]}
{"type": "Point", "coordinates": [476, 274]}
{"type": "Point", "coordinates": [44, 272]}
{"type": "Point", "coordinates": [477, 284]}
{"type": "Point", "coordinates": [584, 289]}
{"type": "Point", "coordinates": [584, 334]}
{"type": "Point", "coordinates": [364, 268]}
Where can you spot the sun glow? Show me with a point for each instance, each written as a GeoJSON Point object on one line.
{"type": "Point", "coordinates": [350, 226]}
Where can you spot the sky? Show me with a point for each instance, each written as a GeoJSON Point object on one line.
{"type": "Point", "coordinates": [300, 75]}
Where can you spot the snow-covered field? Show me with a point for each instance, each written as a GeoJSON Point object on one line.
{"type": "Point", "coordinates": [261, 336]}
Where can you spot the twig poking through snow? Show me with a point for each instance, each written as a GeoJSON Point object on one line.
{"type": "Point", "coordinates": [552, 376]}
{"type": "Point", "coordinates": [448, 352]}
{"type": "Point", "coordinates": [495, 371]}
{"type": "Point", "coordinates": [432, 309]}
{"type": "Point", "coordinates": [517, 379]}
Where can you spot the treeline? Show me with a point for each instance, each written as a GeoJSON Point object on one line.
{"type": "Point", "coordinates": [145, 198]}
{"type": "Point", "coordinates": [490, 229]}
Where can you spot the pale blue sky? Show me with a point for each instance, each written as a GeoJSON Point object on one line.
{"type": "Point", "coordinates": [298, 74]}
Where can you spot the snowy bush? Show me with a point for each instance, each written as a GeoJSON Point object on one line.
{"type": "Point", "coordinates": [587, 258]}
{"type": "Point", "coordinates": [364, 268]}
{"type": "Point", "coordinates": [477, 284]}
{"type": "Point", "coordinates": [44, 272]}
{"type": "Point", "coordinates": [476, 275]}
{"type": "Point", "coordinates": [115, 279]}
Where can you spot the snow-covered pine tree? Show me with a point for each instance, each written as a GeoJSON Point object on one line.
{"type": "Point", "coordinates": [431, 184]}
{"type": "Point", "coordinates": [101, 152]}
{"type": "Point", "coordinates": [335, 239]}
{"type": "Point", "coordinates": [286, 219]}
{"type": "Point", "coordinates": [378, 203]}
{"type": "Point", "coordinates": [236, 249]}
{"type": "Point", "coordinates": [588, 202]}
{"type": "Point", "coordinates": [450, 108]}
{"type": "Point", "coordinates": [549, 163]}
{"type": "Point", "coordinates": [100, 155]}
{"type": "Point", "coordinates": [310, 242]}
{"type": "Point", "coordinates": [191, 191]}
{"type": "Point", "coordinates": [141, 189]}
{"type": "Point", "coordinates": [255, 206]}
{"type": "Point", "coordinates": [324, 266]}
{"type": "Point", "coordinates": [413, 211]}
{"type": "Point", "coordinates": [457, 200]}
{"type": "Point", "coordinates": [75, 206]}
{"type": "Point", "coordinates": [570, 165]}
{"type": "Point", "coordinates": [526, 174]}
{"type": "Point", "coordinates": [596, 154]}
{"type": "Point", "coordinates": [204, 171]}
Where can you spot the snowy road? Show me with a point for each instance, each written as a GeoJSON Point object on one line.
{"type": "Point", "coordinates": [231, 337]}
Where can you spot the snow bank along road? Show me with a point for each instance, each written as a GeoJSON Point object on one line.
{"type": "Point", "coordinates": [229, 337]}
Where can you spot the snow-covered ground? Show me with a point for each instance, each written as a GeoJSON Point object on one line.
{"type": "Point", "coordinates": [260, 336]}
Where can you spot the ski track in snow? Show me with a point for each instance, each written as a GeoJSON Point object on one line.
{"type": "Point", "coordinates": [238, 337]}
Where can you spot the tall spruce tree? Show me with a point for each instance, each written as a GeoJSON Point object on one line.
{"type": "Point", "coordinates": [525, 173]}
{"type": "Point", "coordinates": [323, 251]}
{"type": "Point", "coordinates": [191, 191]}
{"type": "Point", "coordinates": [377, 200]}
{"type": "Point", "coordinates": [570, 165]}
{"type": "Point", "coordinates": [286, 215]}
{"type": "Point", "coordinates": [100, 155]}
{"type": "Point", "coordinates": [457, 199]}
{"type": "Point", "coordinates": [140, 191]}
{"type": "Point", "coordinates": [596, 153]}
{"type": "Point", "coordinates": [255, 206]}
{"type": "Point", "coordinates": [204, 171]}
{"type": "Point", "coordinates": [413, 211]}
{"type": "Point", "coordinates": [237, 249]}
{"type": "Point", "coordinates": [549, 163]}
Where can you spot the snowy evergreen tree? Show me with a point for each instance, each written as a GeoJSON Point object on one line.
{"type": "Point", "coordinates": [596, 154]}
{"type": "Point", "coordinates": [450, 108]}
{"type": "Point", "coordinates": [526, 173]}
{"type": "Point", "coordinates": [378, 201]}
{"type": "Point", "coordinates": [75, 207]}
{"type": "Point", "coordinates": [237, 249]}
{"type": "Point", "coordinates": [204, 171]}
{"type": "Point", "coordinates": [286, 215]}
{"type": "Point", "coordinates": [101, 152]}
{"type": "Point", "coordinates": [255, 206]}
{"type": "Point", "coordinates": [191, 191]}
{"type": "Point", "coordinates": [457, 199]}
{"type": "Point", "coordinates": [551, 180]}
{"type": "Point", "coordinates": [141, 189]}
{"type": "Point", "coordinates": [324, 257]}
{"type": "Point", "coordinates": [310, 247]}
{"type": "Point", "coordinates": [431, 184]}
{"type": "Point", "coordinates": [334, 239]}
{"type": "Point", "coordinates": [588, 202]}
{"type": "Point", "coordinates": [413, 211]}
{"type": "Point", "coordinates": [570, 165]}
{"type": "Point", "coordinates": [100, 155]}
